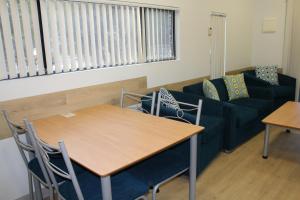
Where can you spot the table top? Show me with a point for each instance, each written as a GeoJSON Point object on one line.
{"type": "Point", "coordinates": [287, 116]}
{"type": "Point", "coordinates": [106, 139]}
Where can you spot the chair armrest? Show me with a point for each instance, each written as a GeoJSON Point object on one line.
{"type": "Point", "coordinates": [251, 80]}
{"type": "Point", "coordinates": [286, 80]}
{"type": "Point", "coordinates": [209, 106]}
{"type": "Point", "coordinates": [261, 92]}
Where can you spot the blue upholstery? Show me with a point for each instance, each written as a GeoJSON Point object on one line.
{"type": "Point", "coordinates": [242, 117]}
{"type": "Point", "coordinates": [210, 141]}
{"type": "Point", "coordinates": [159, 168]}
{"type": "Point", "coordinates": [34, 166]}
{"type": "Point", "coordinates": [218, 83]}
{"type": "Point", "coordinates": [221, 87]}
{"type": "Point", "coordinates": [278, 94]}
{"type": "Point", "coordinates": [124, 187]}
{"type": "Point", "coordinates": [245, 115]}
{"type": "Point", "coordinates": [283, 91]}
{"type": "Point", "coordinates": [263, 107]}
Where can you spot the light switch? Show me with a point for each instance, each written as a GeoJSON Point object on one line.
{"type": "Point", "coordinates": [269, 25]}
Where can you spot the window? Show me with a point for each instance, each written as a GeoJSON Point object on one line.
{"type": "Point", "coordinates": [20, 42]}
{"type": "Point", "coordinates": [160, 35]}
{"type": "Point", "coordinates": [55, 36]}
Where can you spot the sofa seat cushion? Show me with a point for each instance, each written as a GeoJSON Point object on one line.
{"type": "Point", "coordinates": [263, 107]}
{"type": "Point", "coordinates": [212, 125]}
{"type": "Point", "coordinates": [245, 115]}
{"type": "Point", "coordinates": [281, 91]}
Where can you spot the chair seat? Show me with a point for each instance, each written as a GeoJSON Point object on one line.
{"type": "Point", "coordinates": [35, 168]}
{"type": "Point", "coordinates": [159, 168]}
{"type": "Point", "coordinates": [124, 187]}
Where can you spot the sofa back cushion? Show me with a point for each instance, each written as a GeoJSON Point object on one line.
{"type": "Point", "coordinates": [221, 88]}
{"type": "Point", "coordinates": [250, 72]}
{"type": "Point", "coordinates": [268, 73]}
{"type": "Point", "coordinates": [210, 91]}
{"type": "Point", "coordinates": [194, 89]}
{"type": "Point", "coordinates": [168, 100]}
{"type": "Point", "coordinates": [236, 86]}
{"type": "Point", "coordinates": [198, 89]}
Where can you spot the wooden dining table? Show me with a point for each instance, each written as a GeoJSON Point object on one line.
{"type": "Point", "coordinates": [107, 139]}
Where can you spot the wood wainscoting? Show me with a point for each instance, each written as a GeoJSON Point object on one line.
{"type": "Point", "coordinates": [37, 107]}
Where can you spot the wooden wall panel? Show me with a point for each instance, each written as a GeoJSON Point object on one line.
{"type": "Point", "coordinates": [63, 102]}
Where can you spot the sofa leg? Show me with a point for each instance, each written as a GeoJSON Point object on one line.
{"type": "Point", "coordinates": [227, 151]}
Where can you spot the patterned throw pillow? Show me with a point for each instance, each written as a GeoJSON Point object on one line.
{"type": "Point", "coordinates": [210, 91]}
{"type": "Point", "coordinates": [267, 73]}
{"type": "Point", "coordinates": [168, 100]}
{"type": "Point", "coordinates": [236, 86]}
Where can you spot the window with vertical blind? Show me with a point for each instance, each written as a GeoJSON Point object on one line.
{"type": "Point", "coordinates": [56, 36]}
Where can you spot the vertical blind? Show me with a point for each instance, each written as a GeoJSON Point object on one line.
{"type": "Point", "coordinates": [159, 34]}
{"type": "Point", "coordinates": [80, 35]}
{"type": "Point", "coordinates": [20, 43]}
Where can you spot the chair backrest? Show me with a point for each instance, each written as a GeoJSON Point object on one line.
{"type": "Point", "coordinates": [180, 113]}
{"type": "Point", "coordinates": [27, 146]}
{"type": "Point", "coordinates": [46, 151]}
{"type": "Point", "coordinates": [138, 99]}
{"type": "Point", "coordinates": [23, 146]}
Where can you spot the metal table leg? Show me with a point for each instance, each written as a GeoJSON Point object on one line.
{"type": "Point", "coordinates": [266, 142]}
{"type": "Point", "coordinates": [193, 167]}
{"type": "Point", "coordinates": [106, 188]}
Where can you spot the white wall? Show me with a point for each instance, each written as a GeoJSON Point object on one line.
{"type": "Point", "coordinates": [294, 69]}
{"type": "Point", "coordinates": [194, 47]}
{"type": "Point", "coordinates": [13, 173]}
{"type": "Point", "coordinates": [268, 47]}
{"type": "Point", "coordinates": [194, 52]}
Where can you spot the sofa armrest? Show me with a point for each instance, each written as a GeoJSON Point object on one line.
{"type": "Point", "coordinates": [260, 92]}
{"type": "Point", "coordinates": [209, 106]}
{"type": "Point", "coordinates": [194, 89]}
{"type": "Point", "coordinates": [286, 80]}
{"type": "Point", "coordinates": [251, 80]}
{"type": "Point", "coordinates": [230, 129]}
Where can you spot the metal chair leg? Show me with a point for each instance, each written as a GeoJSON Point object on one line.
{"type": "Point", "coordinates": [51, 193]}
{"type": "Point", "coordinates": [30, 186]}
{"type": "Point", "coordinates": [142, 198]}
{"type": "Point", "coordinates": [38, 190]}
{"type": "Point", "coordinates": [154, 192]}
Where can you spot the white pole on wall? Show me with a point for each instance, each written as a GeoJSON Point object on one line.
{"type": "Point", "coordinates": [287, 40]}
